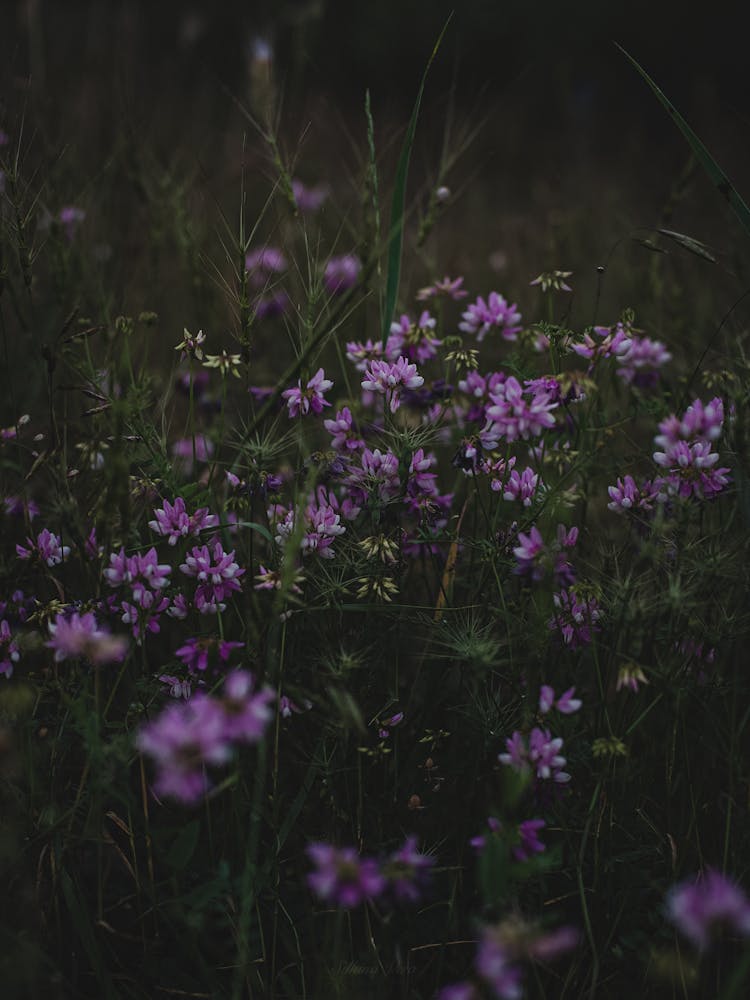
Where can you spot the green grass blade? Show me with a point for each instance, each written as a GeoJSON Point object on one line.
{"type": "Point", "coordinates": [396, 233]}
{"type": "Point", "coordinates": [718, 178]}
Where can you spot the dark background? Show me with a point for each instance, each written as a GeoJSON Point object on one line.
{"type": "Point", "coordinates": [572, 152]}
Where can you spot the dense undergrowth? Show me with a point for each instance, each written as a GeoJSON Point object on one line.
{"type": "Point", "coordinates": [349, 654]}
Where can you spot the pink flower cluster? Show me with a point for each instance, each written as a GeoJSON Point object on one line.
{"type": "Point", "coordinates": [700, 906]}
{"type": "Point", "coordinates": [46, 546]}
{"type": "Point", "coordinates": [501, 948]}
{"type": "Point", "coordinates": [575, 618]}
{"type": "Point", "coordinates": [321, 528]}
{"type": "Point", "coordinates": [301, 401]}
{"type": "Point", "coordinates": [78, 636]}
{"type": "Point", "coordinates": [493, 314]}
{"type": "Point", "coordinates": [173, 522]}
{"type": "Point", "coordinates": [686, 453]}
{"type": "Point", "coordinates": [390, 379]}
{"type": "Point", "coordinates": [190, 736]}
{"type": "Point", "coordinates": [145, 578]}
{"type": "Point", "coordinates": [345, 879]}
{"type": "Point", "coordinates": [539, 755]}
{"type": "Point", "coordinates": [516, 412]}
{"type": "Point", "coordinates": [217, 573]}
{"type": "Point", "coordinates": [534, 556]}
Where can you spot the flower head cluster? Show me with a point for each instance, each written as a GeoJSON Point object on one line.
{"type": "Point", "coordinates": [341, 273]}
{"type": "Point", "coordinates": [390, 379]}
{"type": "Point", "coordinates": [450, 287]}
{"type": "Point", "coordinates": [500, 949]}
{"type": "Point", "coordinates": [344, 434]}
{"type": "Point", "coordinates": [309, 199]}
{"type": "Point", "coordinates": [611, 342]}
{"type": "Point", "coordinates": [494, 314]}
{"type": "Point", "coordinates": [415, 340]}
{"type": "Point", "coordinates": [344, 878]}
{"type": "Point", "coordinates": [46, 546]}
{"type": "Point", "coordinates": [575, 618]}
{"type": "Point", "coordinates": [685, 452]}
{"type": "Point", "coordinates": [527, 842]}
{"type": "Point", "coordinates": [78, 636]}
{"type": "Point", "coordinates": [516, 412]}
{"type": "Point", "coordinates": [627, 495]}
{"type": "Point", "coordinates": [145, 578]}
{"type": "Point", "coordinates": [322, 525]}
{"type": "Point", "coordinates": [195, 653]}
{"type": "Point", "coordinates": [639, 364]}
{"type": "Point", "coordinates": [566, 704]}
{"type": "Point", "coordinates": [217, 573]}
{"type": "Point", "coordinates": [301, 401]}
{"type": "Point", "coordinates": [540, 755]}
{"type": "Point", "coordinates": [534, 556]}
{"type": "Point", "coordinates": [173, 521]}
{"type": "Point", "coordinates": [187, 737]}
{"type": "Point", "coordinates": [523, 486]}
{"type": "Point", "coordinates": [698, 907]}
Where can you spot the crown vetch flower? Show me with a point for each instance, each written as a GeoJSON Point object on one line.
{"type": "Point", "coordinates": [77, 635]}
{"type": "Point", "coordinates": [300, 401]}
{"type": "Point", "coordinates": [495, 313]}
{"type": "Point", "coordinates": [389, 379]}
{"type": "Point", "coordinates": [698, 907]}
{"type": "Point", "coordinates": [341, 273]}
{"type": "Point", "coordinates": [406, 871]}
{"type": "Point", "coordinates": [47, 546]}
{"type": "Point", "coordinates": [183, 740]}
{"type": "Point", "coordinates": [173, 522]}
{"type": "Point", "coordinates": [247, 712]}
{"type": "Point", "coordinates": [342, 877]}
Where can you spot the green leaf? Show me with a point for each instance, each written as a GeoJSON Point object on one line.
{"type": "Point", "coordinates": [694, 246]}
{"type": "Point", "coordinates": [254, 526]}
{"type": "Point", "coordinates": [85, 931]}
{"type": "Point", "coordinates": [718, 178]}
{"type": "Point", "coordinates": [396, 233]}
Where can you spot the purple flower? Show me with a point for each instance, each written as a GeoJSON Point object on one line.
{"type": "Point", "coordinates": [494, 965]}
{"type": "Point", "coordinates": [575, 618]}
{"type": "Point", "coordinates": [512, 416]}
{"type": "Point", "coordinates": [19, 507]}
{"type": "Point", "coordinates": [415, 340]}
{"type": "Point", "coordinates": [406, 871]}
{"type": "Point", "coordinates": [541, 755]}
{"type": "Point", "coordinates": [495, 313]}
{"type": "Point", "coordinates": [195, 652]}
{"type": "Point", "coordinates": [450, 287]}
{"type": "Point", "coordinates": [389, 379]}
{"type": "Point", "coordinates": [70, 219]}
{"type": "Point", "coordinates": [262, 263]}
{"type": "Point", "coordinates": [76, 636]}
{"type": "Point", "coordinates": [342, 877]}
{"type": "Point", "coordinates": [697, 907]}
{"type": "Point", "coordinates": [344, 435]}
{"type": "Point", "coordinates": [613, 342]}
{"type": "Point", "coordinates": [638, 362]}
{"type": "Point", "coordinates": [47, 546]}
{"type": "Point", "coordinates": [9, 654]}
{"type": "Point", "coordinates": [217, 574]}
{"type": "Point", "coordinates": [183, 740]}
{"type": "Point", "coordinates": [247, 711]}
{"type": "Point", "coordinates": [341, 273]}
{"type": "Point", "coordinates": [173, 521]}
{"type": "Point", "coordinates": [529, 843]}
{"type": "Point", "coordinates": [176, 687]}
{"type": "Point", "coordinates": [495, 826]}
{"type": "Point", "coordinates": [528, 551]}
{"type": "Point", "coordinates": [300, 401]}
{"type": "Point", "coordinates": [626, 495]}
{"type": "Point", "coordinates": [523, 486]}
{"type": "Point", "coordinates": [308, 199]}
